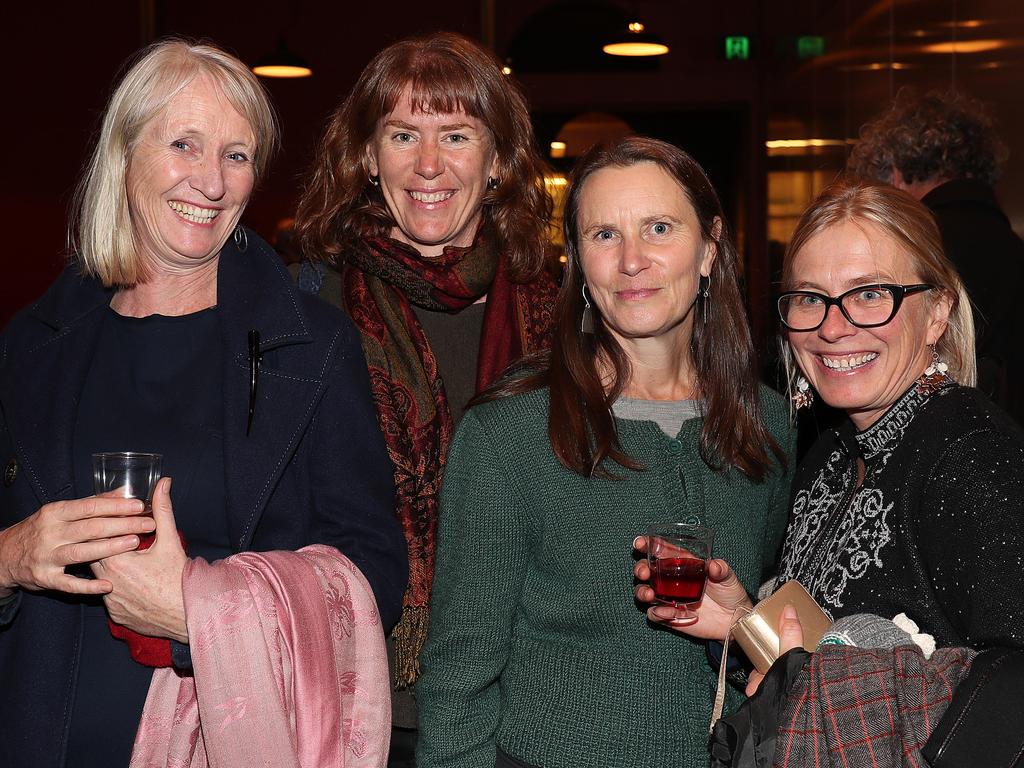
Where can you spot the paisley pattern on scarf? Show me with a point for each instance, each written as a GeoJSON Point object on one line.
{"type": "Point", "coordinates": [380, 277]}
{"type": "Point", "coordinates": [289, 666]}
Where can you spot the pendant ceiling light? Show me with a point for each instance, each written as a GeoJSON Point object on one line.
{"type": "Point", "coordinates": [636, 41]}
{"type": "Point", "coordinates": [282, 63]}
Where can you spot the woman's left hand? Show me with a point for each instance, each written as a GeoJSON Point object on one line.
{"type": "Point", "coordinates": [791, 635]}
{"type": "Point", "coordinates": [147, 596]}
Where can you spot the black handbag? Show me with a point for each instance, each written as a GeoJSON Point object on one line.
{"type": "Point", "coordinates": [985, 720]}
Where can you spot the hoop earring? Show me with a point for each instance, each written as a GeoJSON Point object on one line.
{"type": "Point", "coordinates": [241, 239]}
{"type": "Point", "coordinates": [587, 320]}
{"type": "Point", "coordinates": [375, 180]}
{"type": "Point", "coordinates": [493, 183]}
{"type": "Point", "coordinates": [704, 293]}
{"type": "Point", "coordinates": [803, 395]}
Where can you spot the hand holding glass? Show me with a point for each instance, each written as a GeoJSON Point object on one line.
{"type": "Point", "coordinates": [127, 474]}
{"type": "Point", "coordinates": [678, 554]}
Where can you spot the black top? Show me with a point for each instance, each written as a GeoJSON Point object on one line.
{"type": "Point", "coordinates": [936, 529]}
{"type": "Point", "coordinates": [154, 385]}
{"type": "Point", "coordinates": [455, 340]}
{"type": "Point", "coordinates": [988, 254]}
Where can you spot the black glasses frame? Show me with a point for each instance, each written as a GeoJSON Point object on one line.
{"type": "Point", "coordinates": [899, 292]}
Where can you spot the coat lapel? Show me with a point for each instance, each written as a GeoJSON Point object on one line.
{"type": "Point", "coordinates": [62, 329]}
{"type": "Point", "coordinates": [255, 292]}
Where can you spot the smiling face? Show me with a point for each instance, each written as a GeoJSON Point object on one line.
{"type": "Point", "coordinates": [189, 179]}
{"type": "Point", "coordinates": [863, 371]}
{"type": "Point", "coordinates": [433, 169]}
{"type": "Point", "coordinates": [641, 252]}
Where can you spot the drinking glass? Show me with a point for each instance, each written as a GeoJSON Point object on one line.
{"type": "Point", "coordinates": [128, 474]}
{"type": "Point", "coordinates": [678, 555]}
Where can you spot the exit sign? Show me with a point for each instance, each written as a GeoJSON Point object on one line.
{"type": "Point", "coordinates": [810, 46]}
{"type": "Point", "coordinates": [737, 47]}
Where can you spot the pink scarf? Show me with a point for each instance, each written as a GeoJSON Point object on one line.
{"type": "Point", "coordinates": [289, 668]}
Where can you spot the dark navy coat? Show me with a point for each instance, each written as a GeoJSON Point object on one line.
{"type": "Point", "coordinates": [314, 468]}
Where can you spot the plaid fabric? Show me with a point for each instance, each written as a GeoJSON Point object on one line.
{"type": "Point", "coordinates": [867, 708]}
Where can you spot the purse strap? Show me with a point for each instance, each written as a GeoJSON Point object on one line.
{"type": "Point", "coordinates": [738, 615]}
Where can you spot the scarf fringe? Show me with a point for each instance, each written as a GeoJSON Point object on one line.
{"type": "Point", "coordinates": [408, 636]}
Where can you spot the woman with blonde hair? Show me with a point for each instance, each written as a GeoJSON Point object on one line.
{"type": "Point", "coordinates": [913, 506]}
{"type": "Point", "coordinates": [177, 331]}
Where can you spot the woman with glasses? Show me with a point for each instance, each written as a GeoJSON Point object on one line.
{"type": "Point", "coordinates": [915, 504]}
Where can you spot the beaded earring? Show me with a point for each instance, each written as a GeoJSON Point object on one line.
{"type": "Point", "coordinates": [933, 375]}
{"type": "Point", "coordinates": [803, 395]}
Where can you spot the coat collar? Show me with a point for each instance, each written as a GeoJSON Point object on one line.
{"type": "Point", "coordinates": [42, 384]}
{"type": "Point", "coordinates": [963, 192]}
{"type": "Point", "coordinates": [256, 293]}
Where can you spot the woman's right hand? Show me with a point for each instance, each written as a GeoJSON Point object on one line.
{"type": "Point", "coordinates": [723, 594]}
{"type": "Point", "coordinates": [34, 552]}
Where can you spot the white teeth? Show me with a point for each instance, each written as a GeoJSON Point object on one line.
{"type": "Point", "coordinates": [429, 197]}
{"type": "Point", "coordinates": [848, 363]}
{"type": "Point", "coordinates": [193, 213]}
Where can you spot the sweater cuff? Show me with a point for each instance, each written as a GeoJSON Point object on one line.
{"type": "Point", "coordinates": [181, 656]}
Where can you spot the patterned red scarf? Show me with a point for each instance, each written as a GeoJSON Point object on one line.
{"type": "Point", "coordinates": [380, 277]}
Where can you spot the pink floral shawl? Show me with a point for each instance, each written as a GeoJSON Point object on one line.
{"type": "Point", "coordinates": [289, 666]}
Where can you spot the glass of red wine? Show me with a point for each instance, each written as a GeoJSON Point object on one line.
{"type": "Point", "coordinates": [678, 555]}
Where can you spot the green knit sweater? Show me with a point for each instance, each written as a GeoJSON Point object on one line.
{"type": "Point", "coordinates": [536, 643]}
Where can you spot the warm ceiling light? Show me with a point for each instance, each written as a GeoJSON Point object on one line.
{"type": "Point", "coordinates": [282, 63]}
{"type": "Point", "coordinates": [506, 70]}
{"type": "Point", "coordinates": [875, 66]}
{"type": "Point", "coordinates": [636, 42]}
{"type": "Point", "coordinates": [803, 143]}
{"type": "Point", "coordinates": [557, 149]}
{"type": "Point", "coordinates": [966, 23]}
{"type": "Point", "coordinates": [965, 46]}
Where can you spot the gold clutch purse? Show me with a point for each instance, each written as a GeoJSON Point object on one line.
{"type": "Point", "coordinates": [758, 632]}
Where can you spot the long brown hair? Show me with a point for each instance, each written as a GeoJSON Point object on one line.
{"type": "Point", "coordinates": [580, 423]}
{"type": "Point", "coordinates": [445, 73]}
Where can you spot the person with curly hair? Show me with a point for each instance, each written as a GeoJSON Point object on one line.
{"type": "Point", "coordinates": [943, 149]}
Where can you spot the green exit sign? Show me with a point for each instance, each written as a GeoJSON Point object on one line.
{"type": "Point", "coordinates": [810, 46]}
{"type": "Point", "coordinates": [737, 47]}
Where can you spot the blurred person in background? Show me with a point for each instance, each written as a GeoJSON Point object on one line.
{"type": "Point", "coordinates": [943, 149]}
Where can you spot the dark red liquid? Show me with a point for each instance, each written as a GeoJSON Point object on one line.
{"type": "Point", "coordinates": [678, 579]}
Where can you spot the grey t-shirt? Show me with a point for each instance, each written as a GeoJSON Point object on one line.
{"type": "Point", "coordinates": [667, 414]}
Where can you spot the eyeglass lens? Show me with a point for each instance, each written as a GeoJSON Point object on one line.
{"type": "Point", "coordinates": [864, 306]}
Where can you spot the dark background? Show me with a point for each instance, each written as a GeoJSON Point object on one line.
{"type": "Point", "coordinates": [63, 57]}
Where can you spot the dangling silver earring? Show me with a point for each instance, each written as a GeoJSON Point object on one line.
{"type": "Point", "coordinates": [587, 321]}
{"type": "Point", "coordinates": [933, 375]}
{"type": "Point", "coordinates": [375, 180]}
{"type": "Point", "coordinates": [493, 183]}
{"type": "Point", "coordinates": [803, 395]}
{"type": "Point", "coordinates": [241, 239]}
{"type": "Point", "coordinates": [704, 293]}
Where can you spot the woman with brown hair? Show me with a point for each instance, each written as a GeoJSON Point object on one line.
{"type": "Point", "coordinates": [426, 198]}
{"type": "Point", "coordinates": [648, 409]}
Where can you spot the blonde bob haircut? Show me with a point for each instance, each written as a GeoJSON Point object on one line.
{"type": "Point", "coordinates": [101, 235]}
{"type": "Point", "coordinates": [911, 226]}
